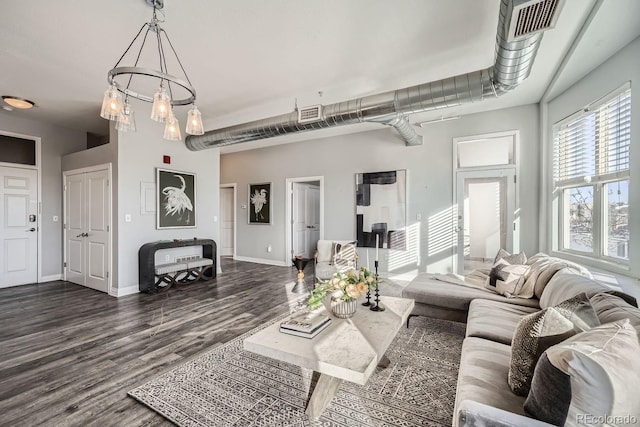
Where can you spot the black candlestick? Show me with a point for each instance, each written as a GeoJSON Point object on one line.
{"type": "Point", "coordinates": [367, 303]}
{"type": "Point", "coordinates": [377, 306]}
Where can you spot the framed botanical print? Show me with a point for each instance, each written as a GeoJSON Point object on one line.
{"type": "Point", "coordinates": [260, 203]}
{"type": "Point", "coordinates": [176, 199]}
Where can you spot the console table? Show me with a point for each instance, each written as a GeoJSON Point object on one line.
{"type": "Point", "coordinates": [147, 266]}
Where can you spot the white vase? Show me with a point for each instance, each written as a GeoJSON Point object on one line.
{"type": "Point", "coordinates": [343, 309]}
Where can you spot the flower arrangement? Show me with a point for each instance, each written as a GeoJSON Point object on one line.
{"type": "Point", "coordinates": [345, 285]}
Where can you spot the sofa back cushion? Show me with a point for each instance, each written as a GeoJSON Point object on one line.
{"type": "Point", "coordinates": [610, 308]}
{"type": "Point", "coordinates": [566, 284]}
{"type": "Point", "coordinates": [324, 248]}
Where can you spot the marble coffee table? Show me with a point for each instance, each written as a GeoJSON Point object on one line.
{"type": "Point", "coordinates": [349, 349]}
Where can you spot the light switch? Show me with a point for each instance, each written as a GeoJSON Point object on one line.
{"type": "Point", "coordinates": [127, 217]}
{"type": "Point", "coordinates": [215, 218]}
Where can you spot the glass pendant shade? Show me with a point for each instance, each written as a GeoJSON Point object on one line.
{"type": "Point", "coordinates": [161, 109]}
{"type": "Point", "coordinates": [126, 119]}
{"type": "Point", "coordinates": [111, 103]}
{"type": "Point", "coordinates": [194, 122]}
{"type": "Point", "coordinates": [172, 129]}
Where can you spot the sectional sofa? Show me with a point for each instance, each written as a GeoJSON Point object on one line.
{"type": "Point", "coordinates": [570, 385]}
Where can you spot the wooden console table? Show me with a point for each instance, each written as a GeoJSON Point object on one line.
{"type": "Point", "coordinates": [146, 260]}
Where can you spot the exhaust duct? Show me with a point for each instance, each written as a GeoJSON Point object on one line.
{"type": "Point", "coordinates": [518, 38]}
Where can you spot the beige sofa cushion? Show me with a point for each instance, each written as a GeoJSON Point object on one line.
{"type": "Point", "coordinates": [495, 320]}
{"type": "Point", "coordinates": [566, 284]}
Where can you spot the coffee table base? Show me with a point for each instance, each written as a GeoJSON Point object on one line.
{"type": "Point", "coordinates": [326, 389]}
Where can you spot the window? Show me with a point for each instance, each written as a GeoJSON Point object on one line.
{"type": "Point", "coordinates": [591, 176]}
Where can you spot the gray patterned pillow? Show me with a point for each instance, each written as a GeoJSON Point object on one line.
{"type": "Point", "coordinates": [520, 258]}
{"type": "Point", "coordinates": [538, 331]}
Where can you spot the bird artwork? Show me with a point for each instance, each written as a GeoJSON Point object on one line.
{"type": "Point", "coordinates": [176, 202]}
{"type": "Point", "coordinates": [259, 200]}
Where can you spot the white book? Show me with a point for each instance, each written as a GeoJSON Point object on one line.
{"type": "Point", "coordinates": [305, 322]}
{"type": "Point", "coordinates": [306, 334]}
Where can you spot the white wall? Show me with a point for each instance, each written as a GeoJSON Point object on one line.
{"type": "Point", "coordinates": [139, 154]}
{"type": "Point", "coordinates": [56, 142]}
{"type": "Point", "coordinates": [430, 193]}
{"type": "Point", "coordinates": [622, 67]}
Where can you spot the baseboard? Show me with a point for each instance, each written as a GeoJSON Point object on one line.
{"type": "Point", "coordinates": [50, 278]}
{"type": "Point", "coordinates": [121, 292]}
{"type": "Point", "coordinates": [262, 261]}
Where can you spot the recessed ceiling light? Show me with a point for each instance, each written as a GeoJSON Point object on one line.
{"type": "Point", "coordinates": [16, 102]}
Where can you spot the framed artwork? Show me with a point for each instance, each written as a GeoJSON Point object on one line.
{"type": "Point", "coordinates": [260, 203]}
{"type": "Point", "coordinates": [381, 209]}
{"type": "Point", "coordinates": [176, 199]}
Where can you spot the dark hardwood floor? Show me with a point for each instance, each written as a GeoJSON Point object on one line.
{"type": "Point", "coordinates": [69, 354]}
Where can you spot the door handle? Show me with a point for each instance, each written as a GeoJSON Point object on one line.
{"type": "Point", "coordinates": [30, 230]}
{"type": "Point", "coordinates": [80, 235]}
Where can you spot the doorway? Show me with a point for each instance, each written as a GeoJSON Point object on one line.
{"type": "Point", "coordinates": [227, 219]}
{"type": "Point", "coordinates": [305, 203]}
{"type": "Point", "coordinates": [484, 198]}
{"type": "Point", "coordinates": [87, 227]}
{"type": "Point", "coordinates": [486, 206]}
{"type": "Point", "coordinates": [19, 226]}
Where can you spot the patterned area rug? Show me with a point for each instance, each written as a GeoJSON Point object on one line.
{"type": "Point", "coordinates": [228, 386]}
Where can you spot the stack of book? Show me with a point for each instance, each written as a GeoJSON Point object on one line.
{"type": "Point", "coordinates": [306, 325]}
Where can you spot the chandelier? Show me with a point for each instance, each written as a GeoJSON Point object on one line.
{"type": "Point", "coordinates": [171, 90]}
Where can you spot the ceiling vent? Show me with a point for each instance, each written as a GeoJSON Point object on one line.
{"type": "Point", "coordinates": [532, 16]}
{"type": "Point", "coordinates": [312, 113]}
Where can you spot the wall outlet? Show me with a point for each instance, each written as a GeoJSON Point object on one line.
{"type": "Point", "coordinates": [167, 257]}
{"type": "Point", "coordinates": [269, 248]}
{"type": "Point", "coordinates": [55, 218]}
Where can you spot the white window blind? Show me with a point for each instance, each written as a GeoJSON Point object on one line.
{"type": "Point", "coordinates": [593, 144]}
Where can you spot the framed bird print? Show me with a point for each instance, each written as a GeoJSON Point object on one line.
{"type": "Point", "coordinates": [260, 203]}
{"type": "Point", "coordinates": [176, 199]}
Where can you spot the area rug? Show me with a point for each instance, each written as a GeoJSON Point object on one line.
{"type": "Point", "coordinates": [228, 386]}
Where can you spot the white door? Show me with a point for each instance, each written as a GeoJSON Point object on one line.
{"type": "Point", "coordinates": [19, 226]}
{"type": "Point", "coordinates": [312, 208]}
{"type": "Point", "coordinates": [485, 214]}
{"type": "Point", "coordinates": [305, 218]}
{"type": "Point", "coordinates": [298, 223]}
{"type": "Point", "coordinates": [87, 212]}
{"type": "Point", "coordinates": [227, 220]}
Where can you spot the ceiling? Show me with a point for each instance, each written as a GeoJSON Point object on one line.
{"type": "Point", "coordinates": [251, 59]}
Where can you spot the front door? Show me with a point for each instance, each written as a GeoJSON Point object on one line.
{"type": "Point", "coordinates": [19, 226]}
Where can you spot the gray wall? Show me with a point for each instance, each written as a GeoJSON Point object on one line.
{"type": "Point", "coordinates": [56, 142]}
{"type": "Point", "coordinates": [622, 67]}
{"type": "Point", "coordinates": [139, 154]}
{"type": "Point", "coordinates": [430, 180]}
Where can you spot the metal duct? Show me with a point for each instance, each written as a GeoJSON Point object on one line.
{"type": "Point", "coordinates": [513, 62]}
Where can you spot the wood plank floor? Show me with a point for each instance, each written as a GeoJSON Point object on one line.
{"type": "Point", "coordinates": [69, 354]}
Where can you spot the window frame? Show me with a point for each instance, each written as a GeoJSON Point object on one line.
{"type": "Point", "coordinates": [599, 231]}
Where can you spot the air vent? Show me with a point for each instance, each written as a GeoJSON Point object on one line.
{"type": "Point", "coordinates": [532, 16]}
{"type": "Point", "coordinates": [312, 113]}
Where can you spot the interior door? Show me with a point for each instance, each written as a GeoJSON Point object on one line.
{"type": "Point", "coordinates": [87, 218]}
{"type": "Point", "coordinates": [19, 226]}
{"type": "Point", "coordinates": [299, 221]}
{"type": "Point", "coordinates": [227, 220]}
{"type": "Point", "coordinates": [485, 214]}
{"type": "Point", "coordinates": [96, 235]}
{"type": "Point", "coordinates": [312, 210]}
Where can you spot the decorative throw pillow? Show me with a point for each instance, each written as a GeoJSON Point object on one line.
{"type": "Point", "coordinates": [590, 379]}
{"type": "Point", "coordinates": [506, 279]}
{"type": "Point", "coordinates": [538, 331]}
{"type": "Point", "coordinates": [520, 258]}
{"type": "Point", "coordinates": [345, 255]}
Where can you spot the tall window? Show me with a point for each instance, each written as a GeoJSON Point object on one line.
{"type": "Point", "coordinates": [591, 176]}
